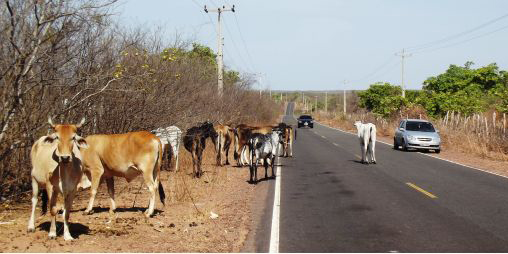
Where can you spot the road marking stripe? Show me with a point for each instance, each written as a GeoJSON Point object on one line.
{"type": "Point", "coordinates": [274, 234]}
{"type": "Point", "coordinates": [323, 136]}
{"type": "Point", "coordinates": [358, 156]}
{"type": "Point", "coordinates": [421, 190]}
{"type": "Point", "coordinates": [335, 144]}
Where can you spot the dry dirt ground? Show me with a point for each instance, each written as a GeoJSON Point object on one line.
{"type": "Point", "coordinates": [448, 153]}
{"type": "Point", "coordinates": [183, 225]}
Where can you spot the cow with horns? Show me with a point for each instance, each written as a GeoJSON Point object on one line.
{"type": "Point", "coordinates": [57, 169]}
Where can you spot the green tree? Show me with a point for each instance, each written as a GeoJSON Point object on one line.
{"type": "Point", "coordinates": [383, 99]}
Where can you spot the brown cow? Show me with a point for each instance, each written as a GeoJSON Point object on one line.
{"type": "Point", "coordinates": [124, 155]}
{"type": "Point", "coordinates": [224, 137]}
{"type": "Point", "coordinates": [56, 167]}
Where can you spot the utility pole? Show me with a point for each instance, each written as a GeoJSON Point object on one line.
{"type": "Point", "coordinates": [402, 56]}
{"type": "Point", "coordinates": [220, 43]}
{"type": "Point", "coordinates": [344, 90]}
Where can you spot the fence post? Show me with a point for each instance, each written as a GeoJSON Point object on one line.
{"type": "Point", "coordinates": [504, 123]}
{"type": "Point", "coordinates": [494, 119]}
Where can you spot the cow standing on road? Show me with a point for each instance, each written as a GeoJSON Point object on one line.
{"type": "Point", "coordinates": [57, 168]}
{"type": "Point", "coordinates": [367, 135]}
{"type": "Point", "coordinates": [263, 147]}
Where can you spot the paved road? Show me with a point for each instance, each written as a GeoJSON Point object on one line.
{"type": "Point", "coordinates": [332, 203]}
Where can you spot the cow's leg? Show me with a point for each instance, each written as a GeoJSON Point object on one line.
{"type": "Point", "coordinates": [200, 156]}
{"type": "Point", "coordinates": [53, 195]}
{"type": "Point", "coordinates": [218, 149]}
{"type": "Point", "coordinates": [373, 152]}
{"type": "Point", "coordinates": [255, 165]}
{"type": "Point", "coordinates": [35, 199]}
{"type": "Point", "coordinates": [226, 148]}
{"type": "Point", "coordinates": [243, 155]}
{"type": "Point", "coordinates": [111, 191]}
{"type": "Point", "coordinates": [273, 165]}
{"type": "Point", "coordinates": [175, 152]}
{"type": "Point", "coordinates": [290, 147]}
{"type": "Point", "coordinates": [67, 210]}
{"type": "Point", "coordinates": [364, 151]}
{"type": "Point", "coordinates": [265, 164]}
{"type": "Point", "coordinates": [96, 179]}
{"type": "Point", "coordinates": [152, 188]}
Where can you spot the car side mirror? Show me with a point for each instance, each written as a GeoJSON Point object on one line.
{"type": "Point", "coordinates": [437, 131]}
{"type": "Point", "coordinates": [401, 129]}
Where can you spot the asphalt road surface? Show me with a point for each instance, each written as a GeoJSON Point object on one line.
{"type": "Point", "coordinates": [407, 202]}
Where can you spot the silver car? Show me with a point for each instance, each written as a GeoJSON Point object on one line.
{"type": "Point", "coordinates": [417, 134]}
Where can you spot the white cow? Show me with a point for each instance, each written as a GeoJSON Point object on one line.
{"type": "Point", "coordinates": [172, 136]}
{"type": "Point", "coordinates": [367, 135]}
{"type": "Point", "coordinates": [56, 168]}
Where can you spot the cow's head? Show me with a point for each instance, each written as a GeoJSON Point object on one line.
{"type": "Point", "coordinates": [357, 124]}
{"type": "Point", "coordinates": [65, 137]}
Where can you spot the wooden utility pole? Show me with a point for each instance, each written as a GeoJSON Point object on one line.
{"type": "Point", "coordinates": [220, 43]}
{"type": "Point", "coordinates": [402, 56]}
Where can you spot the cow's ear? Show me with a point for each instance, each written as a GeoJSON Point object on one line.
{"type": "Point", "coordinates": [81, 142]}
{"type": "Point", "coordinates": [50, 139]}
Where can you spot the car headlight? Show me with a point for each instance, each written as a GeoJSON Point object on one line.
{"type": "Point", "coordinates": [409, 137]}
{"type": "Point", "coordinates": [310, 121]}
{"type": "Point", "coordinates": [299, 121]}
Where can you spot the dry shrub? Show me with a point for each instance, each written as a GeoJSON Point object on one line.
{"type": "Point", "coordinates": [82, 65]}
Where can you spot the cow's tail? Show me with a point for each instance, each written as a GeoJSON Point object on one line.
{"type": "Point", "coordinates": [370, 136]}
{"type": "Point", "coordinates": [156, 174]}
{"type": "Point", "coordinates": [295, 133]}
{"type": "Point", "coordinates": [44, 197]}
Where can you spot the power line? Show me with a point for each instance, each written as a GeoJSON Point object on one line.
{"type": "Point", "coordinates": [236, 48]}
{"type": "Point", "coordinates": [243, 41]}
{"type": "Point", "coordinates": [460, 42]}
{"type": "Point", "coordinates": [440, 41]}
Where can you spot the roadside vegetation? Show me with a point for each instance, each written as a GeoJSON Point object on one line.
{"type": "Point", "coordinates": [469, 107]}
{"type": "Point", "coordinates": [70, 60]}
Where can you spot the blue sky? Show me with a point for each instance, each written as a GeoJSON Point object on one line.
{"type": "Point", "coordinates": [315, 45]}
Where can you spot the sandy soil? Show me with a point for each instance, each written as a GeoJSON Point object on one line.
{"type": "Point", "coordinates": [183, 225]}
{"type": "Point", "coordinates": [448, 153]}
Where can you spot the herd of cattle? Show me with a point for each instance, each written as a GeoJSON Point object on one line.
{"type": "Point", "coordinates": [63, 162]}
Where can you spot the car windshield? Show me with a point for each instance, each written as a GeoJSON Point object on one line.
{"type": "Point", "coordinates": [420, 126]}
{"type": "Point", "coordinates": [305, 117]}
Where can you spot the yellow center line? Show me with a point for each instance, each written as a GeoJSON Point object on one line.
{"type": "Point", "coordinates": [358, 156]}
{"type": "Point", "coordinates": [421, 190]}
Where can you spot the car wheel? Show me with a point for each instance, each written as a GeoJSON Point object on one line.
{"type": "Point", "coordinates": [395, 145]}
{"type": "Point", "coordinates": [404, 146]}
{"type": "Point", "coordinates": [312, 126]}
{"type": "Point", "coordinates": [437, 150]}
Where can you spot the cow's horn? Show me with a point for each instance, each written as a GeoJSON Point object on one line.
{"type": "Point", "coordinates": [51, 122]}
{"type": "Point", "coordinates": [81, 123]}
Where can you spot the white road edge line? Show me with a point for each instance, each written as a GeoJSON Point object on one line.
{"type": "Point", "coordinates": [274, 234]}
{"type": "Point", "coordinates": [471, 167]}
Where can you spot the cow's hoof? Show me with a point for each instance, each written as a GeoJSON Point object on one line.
{"type": "Point", "coordinates": [52, 236]}
{"type": "Point", "coordinates": [30, 230]}
{"type": "Point", "coordinates": [227, 163]}
{"type": "Point", "coordinates": [68, 238]}
{"type": "Point", "coordinates": [90, 212]}
{"type": "Point", "coordinates": [374, 162]}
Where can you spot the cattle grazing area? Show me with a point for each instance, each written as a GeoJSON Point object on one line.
{"type": "Point", "coordinates": [184, 224]}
